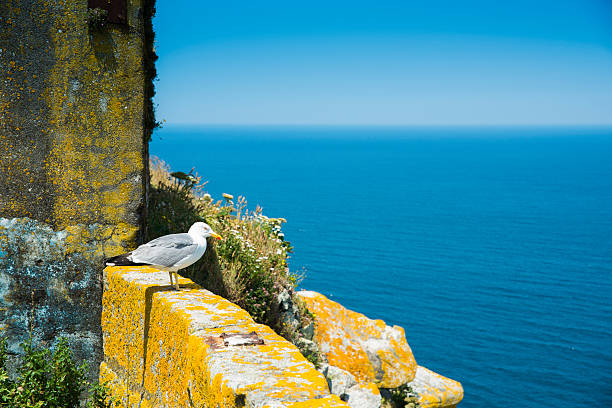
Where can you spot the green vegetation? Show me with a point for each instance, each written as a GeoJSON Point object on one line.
{"type": "Point", "coordinates": [248, 266]}
{"type": "Point", "coordinates": [400, 397]}
{"type": "Point", "coordinates": [49, 380]}
{"type": "Point", "coordinates": [96, 18]}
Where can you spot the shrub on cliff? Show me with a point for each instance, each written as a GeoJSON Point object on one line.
{"type": "Point", "coordinates": [248, 266]}
{"type": "Point", "coordinates": [48, 380]}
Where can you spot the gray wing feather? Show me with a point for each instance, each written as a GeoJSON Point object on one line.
{"type": "Point", "coordinates": [165, 251]}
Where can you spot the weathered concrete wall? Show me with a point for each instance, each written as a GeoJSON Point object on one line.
{"type": "Point", "coordinates": [74, 124]}
{"type": "Point", "coordinates": [167, 348]}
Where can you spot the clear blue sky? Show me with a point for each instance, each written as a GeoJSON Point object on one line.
{"type": "Point", "coordinates": [384, 62]}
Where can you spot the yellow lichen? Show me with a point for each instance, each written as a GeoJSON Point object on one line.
{"type": "Point", "coordinates": [118, 390]}
{"type": "Point", "coordinates": [78, 87]}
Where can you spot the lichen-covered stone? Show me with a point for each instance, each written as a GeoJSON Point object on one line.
{"type": "Point", "coordinates": [168, 347]}
{"type": "Point", "coordinates": [72, 100]}
{"type": "Point", "coordinates": [339, 380]}
{"type": "Point", "coordinates": [434, 390]}
{"type": "Point", "coordinates": [344, 384]}
{"type": "Point", "coordinates": [368, 349]}
{"type": "Point", "coordinates": [73, 164]}
{"type": "Point", "coordinates": [364, 396]}
{"type": "Point", "coordinates": [50, 283]}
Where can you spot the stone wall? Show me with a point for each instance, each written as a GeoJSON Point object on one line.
{"type": "Point", "coordinates": [168, 348]}
{"type": "Point", "coordinates": [75, 118]}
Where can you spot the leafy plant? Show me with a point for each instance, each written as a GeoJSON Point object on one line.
{"type": "Point", "coordinates": [100, 397]}
{"type": "Point", "coordinates": [7, 387]}
{"type": "Point", "coordinates": [48, 380]}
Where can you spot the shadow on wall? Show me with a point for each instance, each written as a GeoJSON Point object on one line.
{"type": "Point", "coordinates": [149, 292]}
{"type": "Point", "coordinates": [102, 43]}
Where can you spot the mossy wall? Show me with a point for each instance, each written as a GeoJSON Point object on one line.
{"type": "Point", "coordinates": [75, 119]}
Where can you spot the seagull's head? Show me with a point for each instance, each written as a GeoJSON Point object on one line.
{"type": "Point", "coordinates": [203, 230]}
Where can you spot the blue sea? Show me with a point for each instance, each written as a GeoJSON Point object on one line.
{"type": "Point", "coordinates": [491, 246]}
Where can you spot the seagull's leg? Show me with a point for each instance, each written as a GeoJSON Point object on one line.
{"type": "Point", "coordinates": [176, 284]}
{"type": "Point", "coordinates": [170, 273]}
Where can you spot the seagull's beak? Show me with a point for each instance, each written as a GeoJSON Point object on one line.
{"type": "Point", "coordinates": [215, 235]}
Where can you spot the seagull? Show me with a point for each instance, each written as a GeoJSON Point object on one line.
{"type": "Point", "coordinates": [169, 252]}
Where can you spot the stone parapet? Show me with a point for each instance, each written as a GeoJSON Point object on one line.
{"type": "Point", "coordinates": [168, 348]}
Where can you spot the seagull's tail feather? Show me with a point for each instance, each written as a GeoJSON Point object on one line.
{"type": "Point", "coordinates": [122, 260]}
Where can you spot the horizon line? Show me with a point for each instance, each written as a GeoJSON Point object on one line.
{"type": "Point", "coordinates": [431, 125]}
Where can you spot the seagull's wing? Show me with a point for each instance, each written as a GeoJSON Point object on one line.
{"type": "Point", "coordinates": [168, 250]}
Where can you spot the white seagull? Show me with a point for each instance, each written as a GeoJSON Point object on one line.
{"type": "Point", "coordinates": [170, 252]}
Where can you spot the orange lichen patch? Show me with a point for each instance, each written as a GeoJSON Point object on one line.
{"type": "Point", "coordinates": [370, 387]}
{"type": "Point", "coordinates": [368, 349]}
{"type": "Point", "coordinates": [435, 390]}
{"type": "Point", "coordinates": [169, 345]}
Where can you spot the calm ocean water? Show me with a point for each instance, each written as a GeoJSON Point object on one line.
{"type": "Point", "coordinates": [492, 247]}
